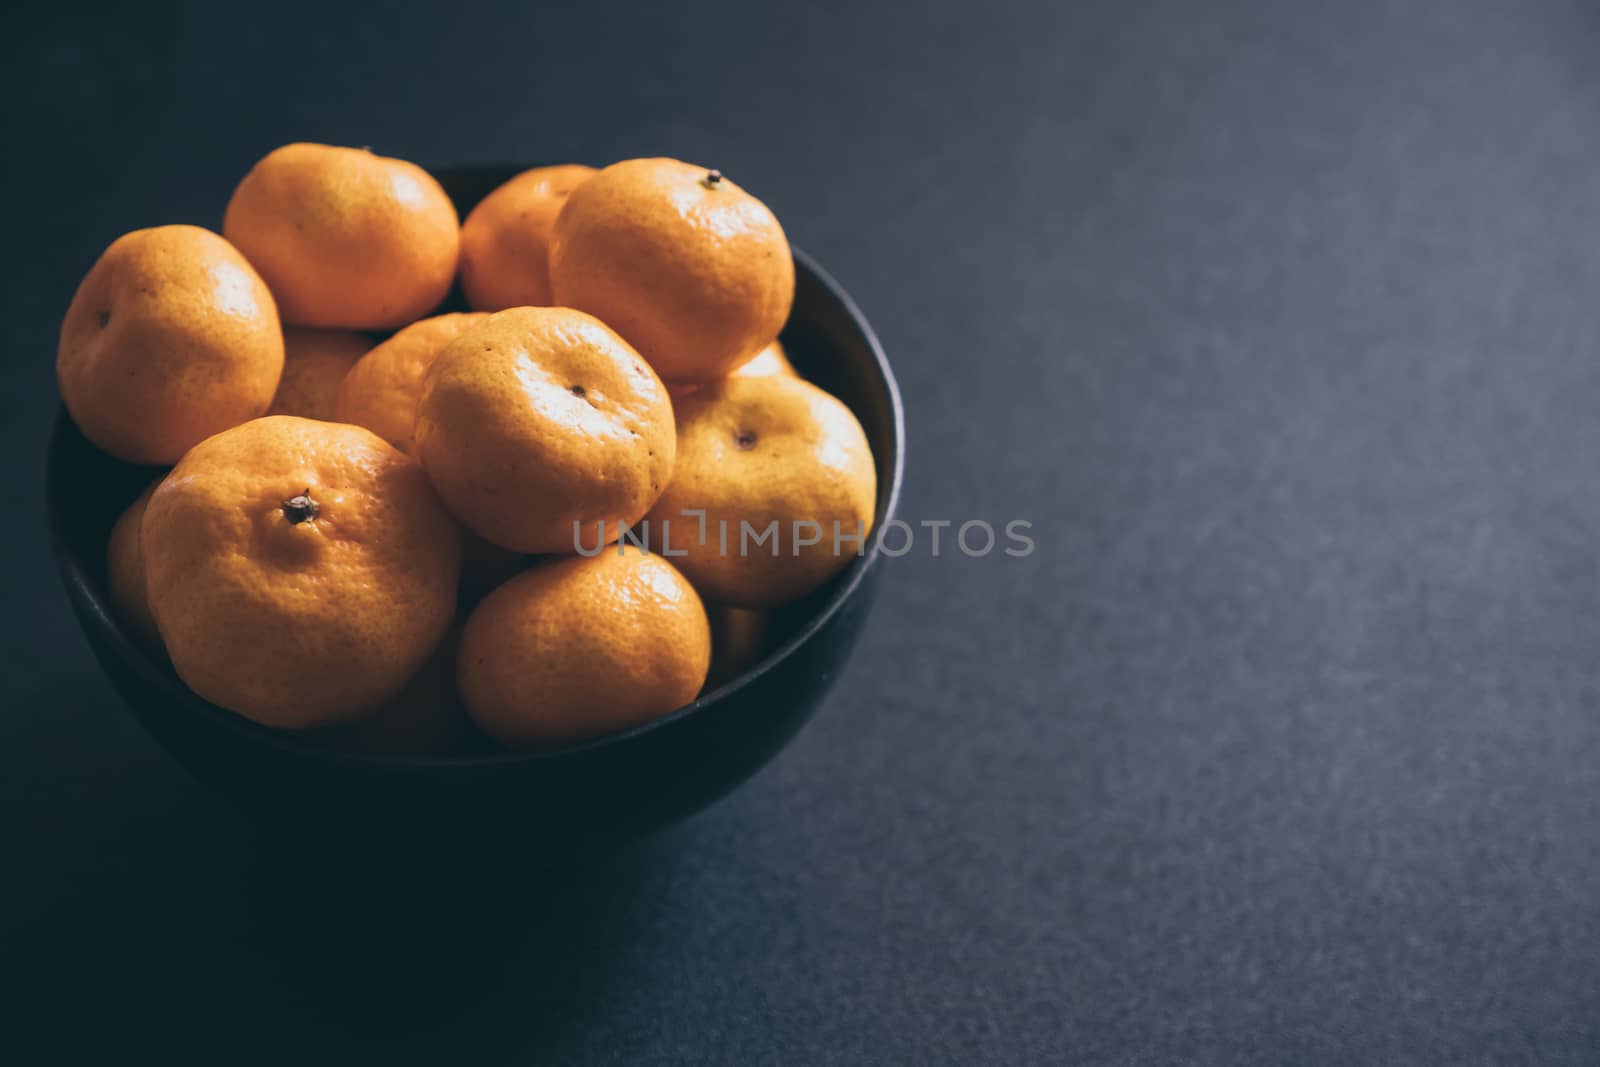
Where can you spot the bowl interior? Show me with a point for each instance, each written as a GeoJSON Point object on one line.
{"type": "Point", "coordinates": [827, 339]}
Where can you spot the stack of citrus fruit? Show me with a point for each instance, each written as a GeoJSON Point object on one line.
{"type": "Point", "coordinates": [390, 524]}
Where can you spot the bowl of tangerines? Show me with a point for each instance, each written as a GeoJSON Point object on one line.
{"type": "Point", "coordinates": [510, 508]}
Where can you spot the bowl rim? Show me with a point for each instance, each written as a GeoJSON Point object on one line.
{"type": "Point", "coordinates": [83, 590]}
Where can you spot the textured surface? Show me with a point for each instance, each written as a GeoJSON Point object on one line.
{"type": "Point", "coordinates": [1279, 323]}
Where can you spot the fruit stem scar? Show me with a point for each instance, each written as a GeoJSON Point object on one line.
{"type": "Point", "coordinates": [744, 440]}
{"type": "Point", "coordinates": [575, 390]}
{"type": "Point", "coordinates": [104, 317]}
{"type": "Point", "coordinates": [712, 178]}
{"type": "Point", "coordinates": [298, 509]}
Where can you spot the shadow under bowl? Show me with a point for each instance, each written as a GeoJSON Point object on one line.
{"type": "Point", "coordinates": [533, 806]}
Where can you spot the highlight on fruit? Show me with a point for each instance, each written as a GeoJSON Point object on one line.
{"type": "Point", "coordinates": [394, 442]}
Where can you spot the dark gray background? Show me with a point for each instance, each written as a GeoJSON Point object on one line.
{"type": "Point", "coordinates": [1278, 321]}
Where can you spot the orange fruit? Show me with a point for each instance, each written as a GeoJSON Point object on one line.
{"type": "Point", "coordinates": [770, 360]}
{"type": "Point", "coordinates": [738, 640]}
{"type": "Point", "coordinates": [125, 574]}
{"type": "Point", "coordinates": [426, 718]}
{"type": "Point", "coordinates": [382, 389]}
{"type": "Point", "coordinates": [583, 646]}
{"type": "Point", "coordinates": [774, 463]}
{"type": "Point", "coordinates": [505, 240]}
{"type": "Point", "coordinates": [170, 338]}
{"type": "Point", "coordinates": [314, 364]}
{"type": "Point", "coordinates": [299, 571]}
{"type": "Point", "coordinates": [540, 427]}
{"type": "Point", "coordinates": [344, 237]}
{"type": "Point", "coordinates": [690, 269]}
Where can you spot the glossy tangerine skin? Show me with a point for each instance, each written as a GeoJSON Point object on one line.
{"type": "Point", "coordinates": [693, 272]}
{"type": "Point", "coordinates": [541, 424]}
{"type": "Point", "coordinates": [583, 646]}
{"type": "Point", "coordinates": [505, 240]}
{"type": "Point", "coordinates": [770, 360]}
{"type": "Point", "coordinates": [288, 619]}
{"type": "Point", "coordinates": [171, 337]}
{"type": "Point", "coordinates": [763, 450]}
{"type": "Point", "coordinates": [345, 238]}
{"type": "Point", "coordinates": [382, 390]}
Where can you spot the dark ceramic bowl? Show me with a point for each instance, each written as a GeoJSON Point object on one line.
{"type": "Point", "coordinates": [546, 802]}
